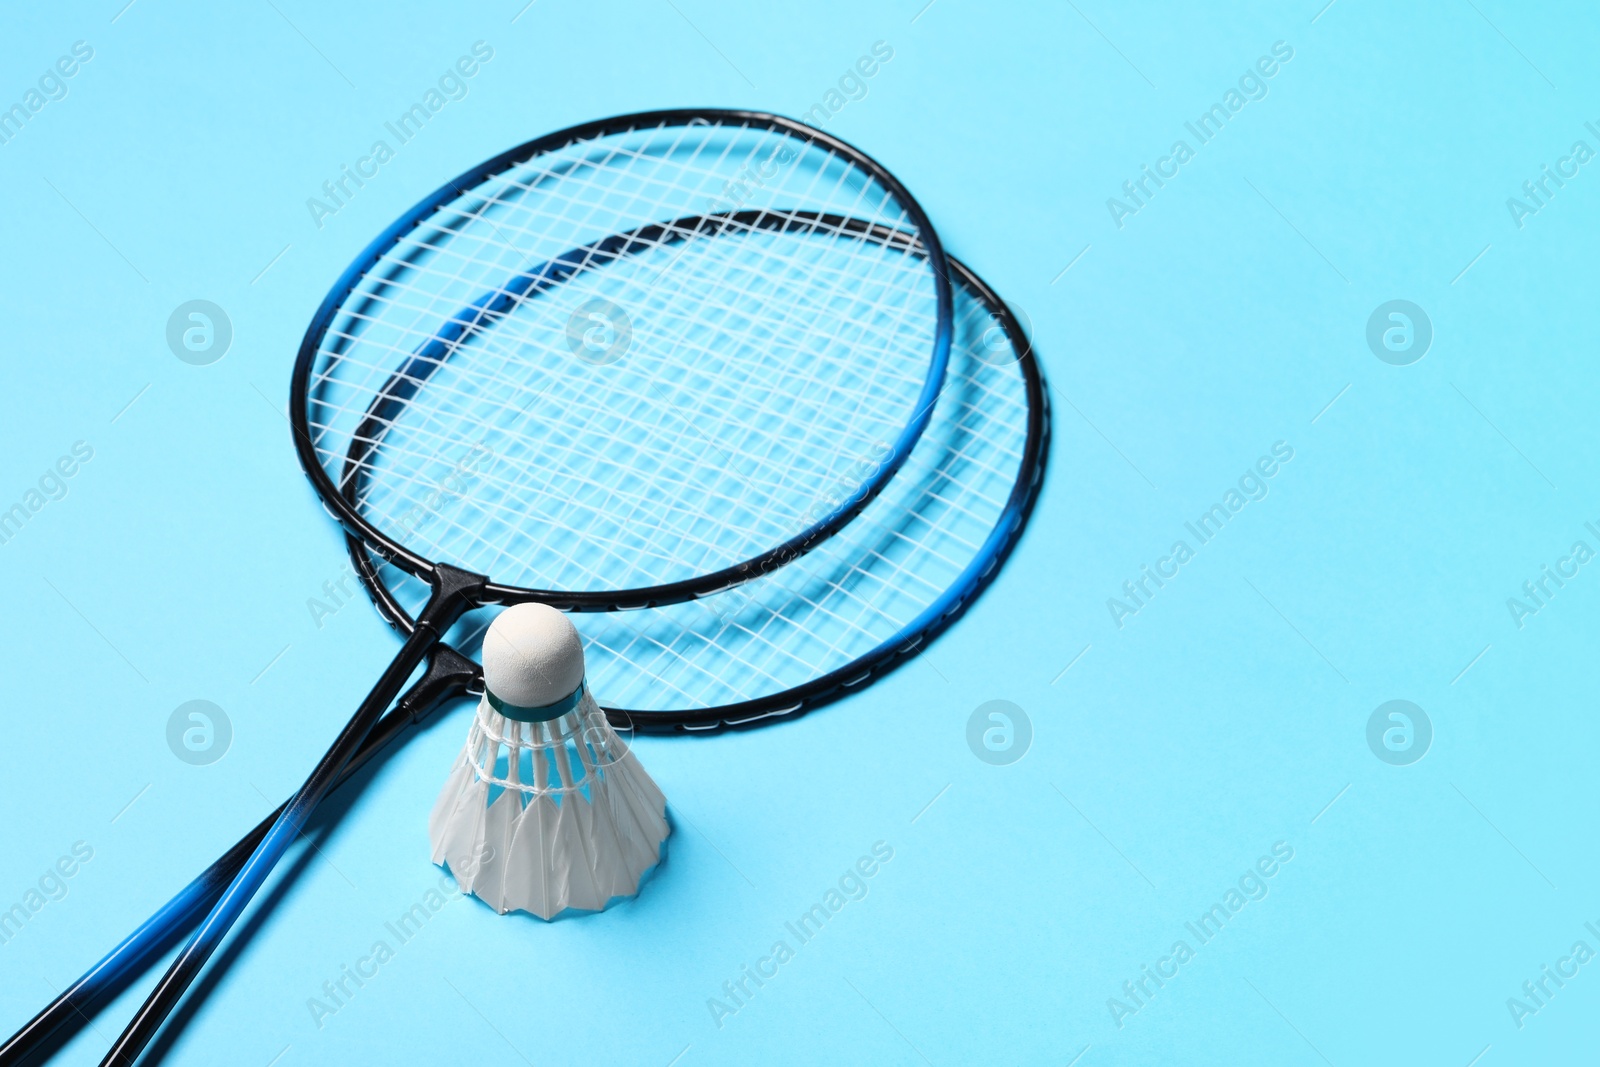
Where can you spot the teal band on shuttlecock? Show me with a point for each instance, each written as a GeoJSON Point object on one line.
{"type": "Point", "coordinates": [541, 714]}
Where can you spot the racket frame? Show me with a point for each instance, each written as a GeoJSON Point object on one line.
{"type": "Point", "coordinates": [342, 504]}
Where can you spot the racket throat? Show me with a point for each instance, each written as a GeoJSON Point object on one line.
{"type": "Point", "coordinates": [455, 592]}
{"type": "Point", "coordinates": [448, 673]}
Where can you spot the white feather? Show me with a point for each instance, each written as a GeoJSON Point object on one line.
{"type": "Point", "coordinates": [584, 831]}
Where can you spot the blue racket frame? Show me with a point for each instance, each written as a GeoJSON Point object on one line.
{"type": "Point", "coordinates": [342, 501]}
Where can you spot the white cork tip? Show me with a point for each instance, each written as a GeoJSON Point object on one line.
{"type": "Point", "coordinates": [532, 656]}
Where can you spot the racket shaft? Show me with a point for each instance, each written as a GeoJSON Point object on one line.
{"type": "Point", "coordinates": [454, 591]}
{"type": "Point", "coordinates": [255, 871]}
{"type": "Point", "coordinates": [449, 674]}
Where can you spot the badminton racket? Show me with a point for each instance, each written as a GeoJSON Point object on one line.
{"type": "Point", "coordinates": [613, 368]}
{"type": "Point", "coordinates": [981, 462]}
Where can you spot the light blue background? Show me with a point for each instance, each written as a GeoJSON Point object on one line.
{"type": "Point", "coordinates": [1224, 717]}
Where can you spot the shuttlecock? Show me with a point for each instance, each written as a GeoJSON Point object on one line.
{"type": "Point", "coordinates": [546, 809]}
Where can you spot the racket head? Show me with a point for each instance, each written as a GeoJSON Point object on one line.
{"type": "Point", "coordinates": [785, 308]}
{"type": "Point", "coordinates": [850, 612]}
